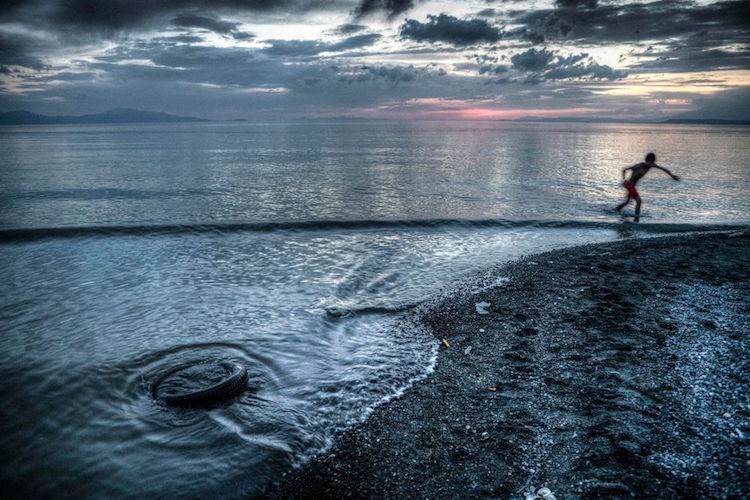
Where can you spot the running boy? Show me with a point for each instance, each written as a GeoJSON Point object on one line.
{"type": "Point", "coordinates": [638, 171]}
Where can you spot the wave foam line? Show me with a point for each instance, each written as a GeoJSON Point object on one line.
{"type": "Point", "coordinates": [41, 233]}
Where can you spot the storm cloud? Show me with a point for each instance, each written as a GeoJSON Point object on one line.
{"type": "Point", "coordinates": [550, 65]}
{"type": "Point", "coordinates": [391, 8]}
{"type": "Point", "coordinates": [197, 21]}
{"type": "Point", "coordinates": [449, 29]}
{"type": "Point", "coordinates": [116, 15]}
{"type": "Point", "coordinates": [301, 48]}
{"type": "Point", "coordinates": [660, 20]}
{"type": "Point", "coordinates": [532, 59]}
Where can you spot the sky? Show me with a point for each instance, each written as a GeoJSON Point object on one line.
{"type": "Point", "coordinates": [399, 59]}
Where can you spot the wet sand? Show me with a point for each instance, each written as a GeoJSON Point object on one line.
{"type": "Point", "coordinates": [614, 370]}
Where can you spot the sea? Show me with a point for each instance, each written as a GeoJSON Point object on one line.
{"type": "Point", "coordinates": [295, 249]}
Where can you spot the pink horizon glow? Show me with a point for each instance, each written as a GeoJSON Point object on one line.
{"type": "Point", "coordinates": [467, 113]}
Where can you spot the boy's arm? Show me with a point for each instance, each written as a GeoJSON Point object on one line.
{"type": "Point", "coordinates": [625, 170]}
{"type": "Point", "coordinates": [675, 177]}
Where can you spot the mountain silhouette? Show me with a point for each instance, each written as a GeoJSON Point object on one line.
{"type": "Point", "coordinates": [118, 115]}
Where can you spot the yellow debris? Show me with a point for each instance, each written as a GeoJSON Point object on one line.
{"type": "Point", "coordinates": [447, 345]}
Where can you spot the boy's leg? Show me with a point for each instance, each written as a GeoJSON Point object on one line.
{"type": "Point", "coordinates": [637, 209]}
{"type": "Point", "coordinates": [622, 205]}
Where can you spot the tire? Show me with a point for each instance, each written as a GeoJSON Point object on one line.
{"type": "Point", "coordinates": [216, 393]}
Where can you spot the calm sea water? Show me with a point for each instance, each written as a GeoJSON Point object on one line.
{"type": "Point", "coordinates": [292, 248]}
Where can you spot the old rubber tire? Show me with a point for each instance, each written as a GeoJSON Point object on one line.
{"type": "Point", "coordinates": [216, 393]}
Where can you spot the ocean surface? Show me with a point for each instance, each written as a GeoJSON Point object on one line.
{"type": "Point", "coordinates": [294, 249]}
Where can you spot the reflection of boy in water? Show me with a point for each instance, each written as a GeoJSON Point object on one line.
{"type": "Point", "coordinates": [638, 171]}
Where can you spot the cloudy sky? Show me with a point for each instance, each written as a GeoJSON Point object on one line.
{"type": "Point", "coordinates": [470, 59]}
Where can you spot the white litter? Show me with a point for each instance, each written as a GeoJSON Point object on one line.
{"type": "Point", "coordinates": [540, 494]}
{"type": "Point", "coordinates": [481, 307]}
{"type": "Point", "coordinates": [546, 494]}
{"type": "Point", "coordinates": [467, 350]}
{"type": "Point", "coordinates": [499, 281]}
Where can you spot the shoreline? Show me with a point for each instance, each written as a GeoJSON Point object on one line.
{"type": "Point", "coordinates": [613, 369]}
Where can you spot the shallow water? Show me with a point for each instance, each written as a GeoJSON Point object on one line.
{"type": "Point", "coordinates": [294, 249]}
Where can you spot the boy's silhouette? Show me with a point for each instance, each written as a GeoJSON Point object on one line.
{"type": "Point", "coordinates": [637, 171]}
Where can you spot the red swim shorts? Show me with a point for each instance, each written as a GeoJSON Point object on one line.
{"type": "Point", "coordinates": [632, 192]}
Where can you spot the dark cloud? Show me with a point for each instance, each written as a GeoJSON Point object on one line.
{"type": "Point", "coordinates": [634, 22]}
{"type": "Point", "coordinates": [546, 65]}
{"type": "Point", "coordinates": [182, 39]}
{"type": "Point", "coordinates": [8, 6]}
{"type": "Point", "coordinates": [449, 29]}
{"type": "Point", "coordinates": [571, 59]}
{"type": "Point", "coordinates": [589, 4]}
{"type": "Point", "coordinates": [684, 59]}
{"type": "Point", "coordinates": [18, 50]}
{"type": "Point", "coordinates": [532, 59]}
{"type": "Point", "coordinates": [393, 74]}
{"type": "Point", "coordinates": [192, 20]}
{"type": "Point", "coordinates": [242, 35]}
{"type": "Point", "coordinates": [689, 32]}
{"type": "Point", "coordinates": [527, 34]}
{"type": "Point", "coordinates": [493, 69]}
{"type": "Point", "coordinates": [354, 42]}
{"type": "Point", "coordinates": [500, 81]}
{"type": "Point", "coordinates": [392, 8]}
{"type": "Point", "coordinates": [112, 16]}
{"type": "Point", "coordinates": [591, 71]}
{"type": "Point", "coordinates": [349, 28]}
{"type": "Point", "coordinates": [304, 48]}
{"type": "Point", "coordinates": [486, 58]}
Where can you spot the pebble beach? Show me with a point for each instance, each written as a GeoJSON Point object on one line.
{"type": "Point", "coordinates": [613, 370]}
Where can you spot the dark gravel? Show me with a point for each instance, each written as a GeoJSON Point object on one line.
{"type": "Point", "coordinates": [605, 371]}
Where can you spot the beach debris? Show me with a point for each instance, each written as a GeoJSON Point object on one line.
{"type": "Point", "coordinates": [485, 436]}
{"type": "Point", "coordinates": [533, 263]}
{"type": "Point", "coordinates": [467, 350]}
{"type": "Point", "coordinates": [739, 433]}
{"type": "Point", "coordinates": [481, 330]}
{"type": "Point", "coordinates": [481, 307]}
{"type": "Point", "coordinates": [499, 281]}
{"type": "Point", "coordinates": [446, 344]}
{"type": "Point", "coordinates": [545, 493]}
{"type": "Point", "coordinates": [726, 415]}
{"type": "Point", "coordinates": [492, 389]}
{"type": "Point", "coordinates": [542, 493]}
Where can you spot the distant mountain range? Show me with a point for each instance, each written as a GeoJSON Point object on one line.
{"type": "Point", "coordinates": [707, 121]}
{"type": "Point", "coordinates": [119, 115]}
{"type": "Point", "coordinates": [126, 115]}
{"type": "Point", "coordinates": [683, 121]}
